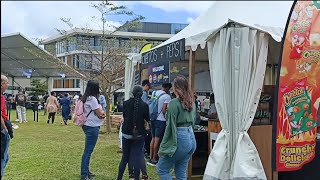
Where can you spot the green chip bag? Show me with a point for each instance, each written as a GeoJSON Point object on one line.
{"type": "Point", "coordinates": [298, 106]}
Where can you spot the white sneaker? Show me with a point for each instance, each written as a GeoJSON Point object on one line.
{"type": "Point", "coordinates": [152, 163]}
{"type": "Point", "coordinates": [14, 126]}
{"type": "Point", "coordinates": [17, 120]}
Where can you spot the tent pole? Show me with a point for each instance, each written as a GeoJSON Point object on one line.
{"type": "Point", "coordinates": [192, 71]}
{"type": "Point", "coordinates": [192, 68]}
{"type": "Point", "coordinates": [12, 82]}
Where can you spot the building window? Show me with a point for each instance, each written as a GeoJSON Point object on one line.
{"type": "Point", "coordinates": [97, 41]}
{"type": "Point", "coordinates": [77, 85]}
{"type": "Point", "coordinates": [69, 61]}
{"type": "Point", "coordinates": [75, 59]}
{"type": "Point", "coordinates": [57, 83]}
{"type": "Point", "coordinates": [66, 83]}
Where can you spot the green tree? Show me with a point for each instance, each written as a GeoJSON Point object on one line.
{"type": "Point", "coordinates": [38, 87]}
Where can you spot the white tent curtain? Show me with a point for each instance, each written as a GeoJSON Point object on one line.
{"type": "Point", "coordinates": [128, 85]}
{"type": "Point", "coordinates": [128, 78]}
{"type": "Point", "coordinates": [237, 62]}
{"type": "Point", "coordinates": [218, 165]}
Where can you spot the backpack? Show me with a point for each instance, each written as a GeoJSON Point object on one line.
{"type": "Point", "coordinates": [153, 107]}
{"type": "Point", "coordinates": [79, 118]}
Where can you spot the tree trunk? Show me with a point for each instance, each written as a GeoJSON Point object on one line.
{"type": "Point", "coordinates": [108, 117]}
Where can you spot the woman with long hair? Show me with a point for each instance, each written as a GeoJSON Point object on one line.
{"type": "Point", "coordinates": [135, 113]}
{"type": "Point", "coordinates": [94, 119]}
{"type": "Point", "coordinates": [178, 143]}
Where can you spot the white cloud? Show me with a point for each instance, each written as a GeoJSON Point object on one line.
{"type": "Point", "coordinates": [193, 7]}
{"type": "Point", "coordinates": [38, 19]}
{"type": "Point", "coordinates": [190, 20]}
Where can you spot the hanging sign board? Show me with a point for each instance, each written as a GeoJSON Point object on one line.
{"type": "Point", "coordinates": [298, 88]}
{"type": "Point", "coordinates": [158, 73]}
{"type": "Point", "coordinates": [171, 52]}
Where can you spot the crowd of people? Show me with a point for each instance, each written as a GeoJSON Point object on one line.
{"type": "Point", "coordinates": [171, 141]}
{"type": "Point", "coordinates": [171, 120]}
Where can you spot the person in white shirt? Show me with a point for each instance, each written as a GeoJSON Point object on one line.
{"type": "Point", "coordinates": [158, 126]}
{"type": "Point", "coordinates": [206, 104]}
{"type": "Point", "coordinates": [103, 102]}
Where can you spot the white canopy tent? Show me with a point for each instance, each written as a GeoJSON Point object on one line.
{"type": "Point", "coordinates": [266, 15]}
{"type": "Point", "coordinates": [237, 55]}
{"type": "Point", "coordinates": [131, 62]}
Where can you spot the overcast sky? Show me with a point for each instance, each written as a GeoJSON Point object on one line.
{"type": "Point", "coordinates": [38, 19]}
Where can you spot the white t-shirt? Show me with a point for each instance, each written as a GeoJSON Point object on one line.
{"type": "Point", "coordinates": [76, 97]}
{"type": "Point", "coordinates": [206, 103]}
{"type": "Point", "coordinates": [164, 99]}
{"type": "Point", "coordinates": [92, 119]}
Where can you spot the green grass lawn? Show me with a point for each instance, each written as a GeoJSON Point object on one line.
{"type": "Point", "coordinates": [42, 151]}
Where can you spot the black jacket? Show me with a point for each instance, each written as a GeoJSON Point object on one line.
{"type": "Point", "coordinates": [143, 115]}
{"type": "Point", "coordinates": [3, 143]}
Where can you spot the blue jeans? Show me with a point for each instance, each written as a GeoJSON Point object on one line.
{"type": "Point", "coordinates": [132, 149]}
{"type": "Point", "coordinates": [186, 146]}
{"type": "Point", "coordinates": [92, 134]}
{"type": "Point", "coordinates": [5, 159]}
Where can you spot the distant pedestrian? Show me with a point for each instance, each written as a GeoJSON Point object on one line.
{"type": "Point", "coordinates": [21, 100]}
{"type": "Point", "coordinates": [52, 106]}
{"type": "Point", "coordinates": [103, 102]}
{"type": "Point", "coordinates": [65, 103]}
{"type": "Point", "coordinates": [45, 97]}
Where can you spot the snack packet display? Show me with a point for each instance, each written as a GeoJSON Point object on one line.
{"type": "Point", "coordinates": [298, 106]}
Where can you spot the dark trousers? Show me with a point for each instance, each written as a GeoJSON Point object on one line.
{"type": "Point", "coordinates": [142, 161]}
{"type": "Point", "coordinates": [51, 115]}
{"type": "Point", "coordinates": [147, 142]}
{"type": "Point", "coordinates": [132, 149]}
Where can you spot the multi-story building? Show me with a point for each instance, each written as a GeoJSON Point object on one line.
{"type": "Point", "coordinates": [70, 52]}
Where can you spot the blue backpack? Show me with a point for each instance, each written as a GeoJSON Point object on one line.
{"type": "Point", "coordinates": [153, 106]}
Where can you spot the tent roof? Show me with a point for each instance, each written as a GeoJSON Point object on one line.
{"type": "Point", "coordinates": [267, 16]}
{"type": "Point", "coordinates": [21, 57]}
